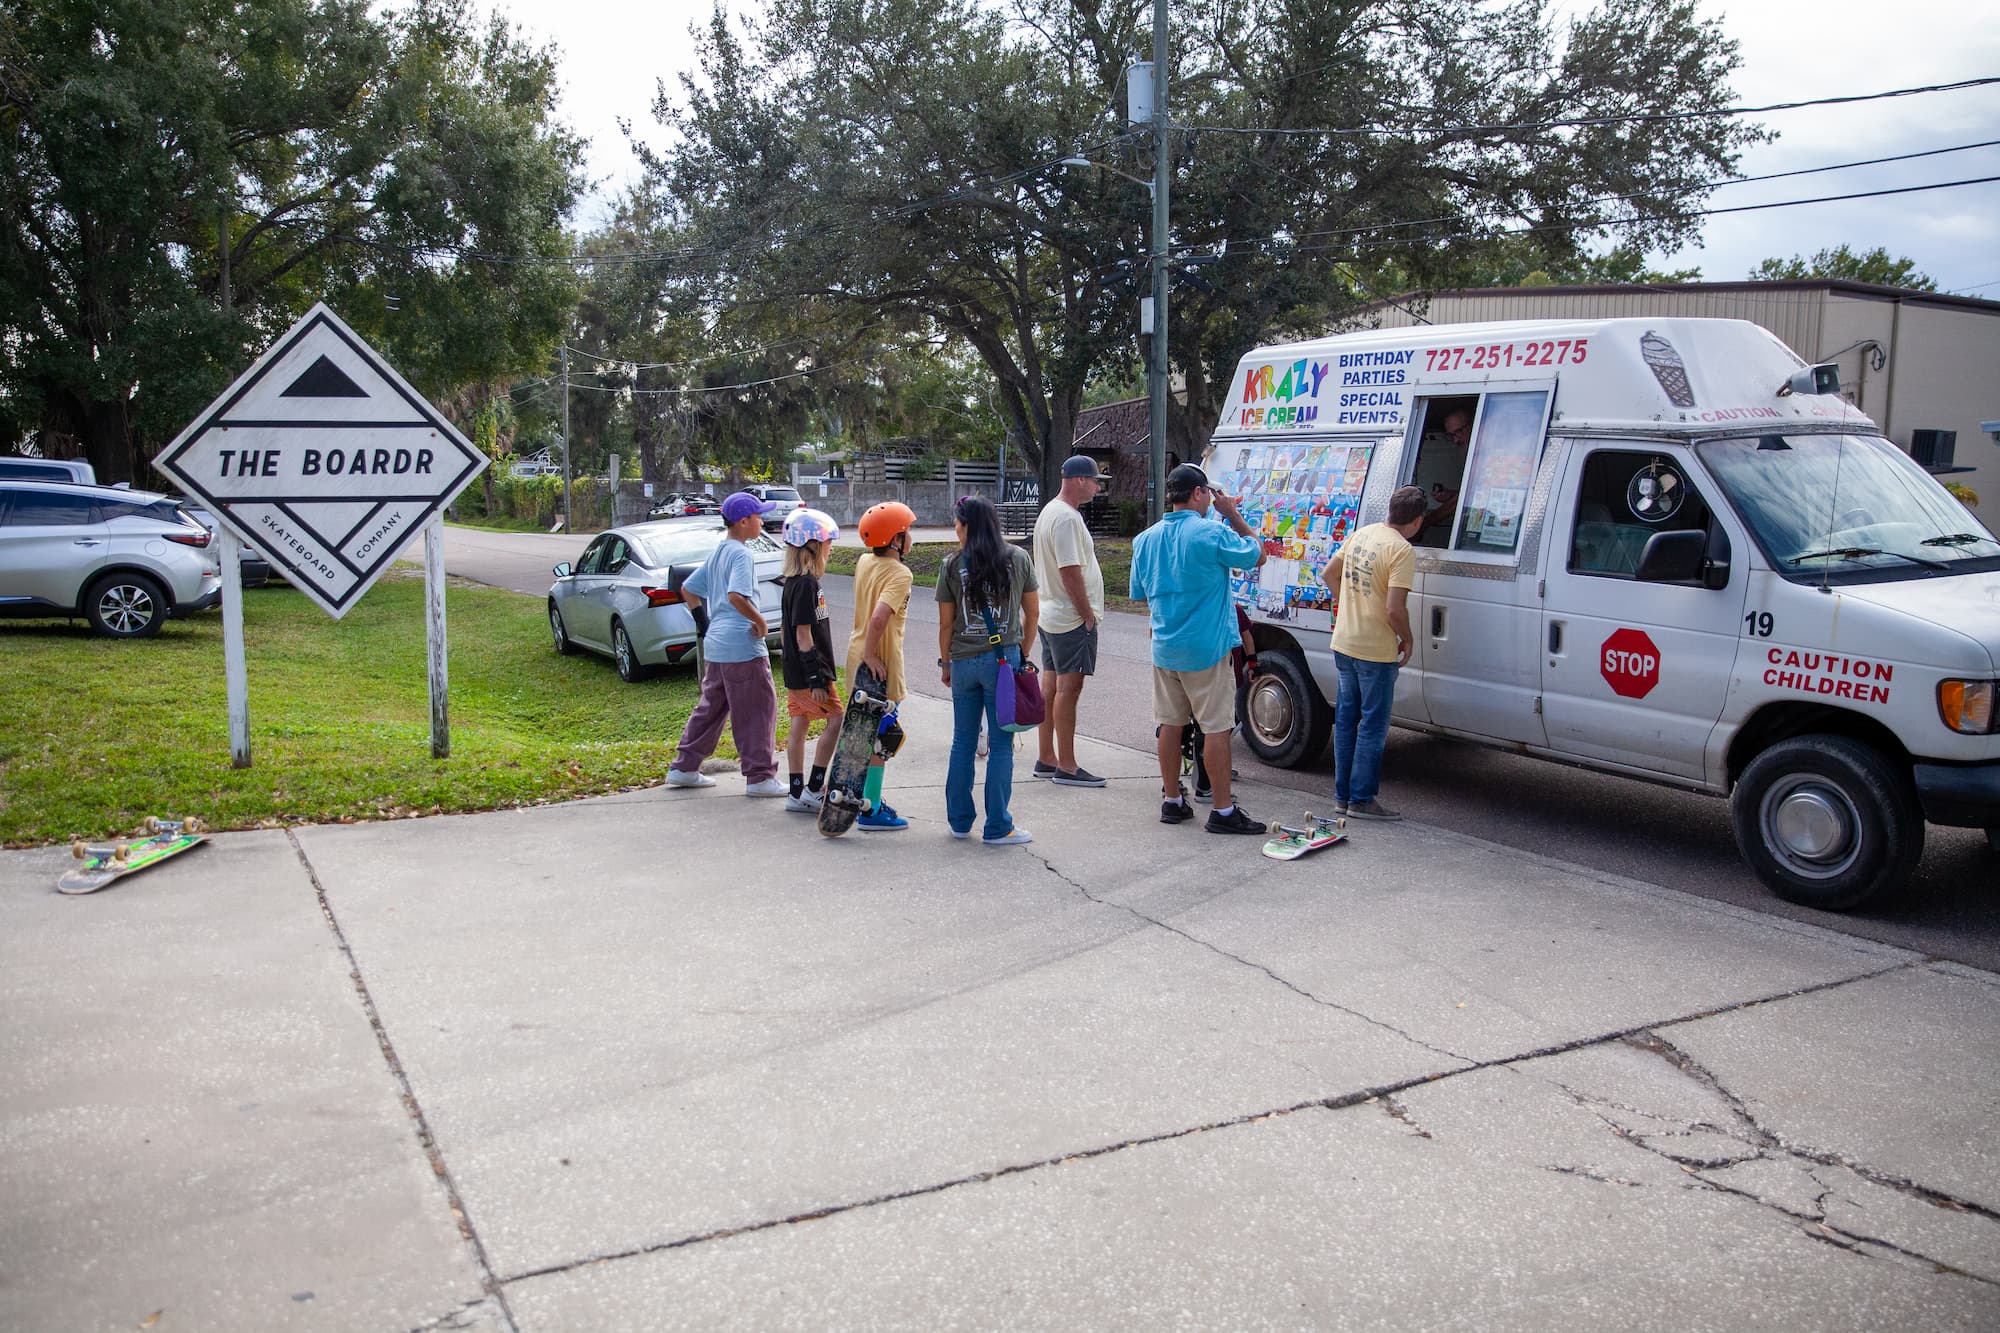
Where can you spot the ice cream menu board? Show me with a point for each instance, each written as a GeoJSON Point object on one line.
{"type": "Point", "coordinates": [1505, 446]}
{"type": "Point", "coordinates": [1301, 501]}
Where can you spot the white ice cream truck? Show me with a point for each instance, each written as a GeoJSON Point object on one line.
{"type": "Point", "coordinates": [1661, 548]}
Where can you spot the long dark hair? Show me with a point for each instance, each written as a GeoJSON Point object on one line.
{"type": "Point", "coordinates": [988, 559]}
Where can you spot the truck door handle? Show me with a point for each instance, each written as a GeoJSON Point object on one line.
{"type": "Point", "coordinates": [89, 541]}
{"type": "Point", "coordinates": [1555, 638]}
{"type": "Point", "coordinates": [1437, 622]}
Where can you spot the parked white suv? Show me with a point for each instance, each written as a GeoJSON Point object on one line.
{"type": "Point", "coordinates": [124, 560]}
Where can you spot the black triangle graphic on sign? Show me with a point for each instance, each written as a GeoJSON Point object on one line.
{"type": "Point", "coordinates": [323, 379]}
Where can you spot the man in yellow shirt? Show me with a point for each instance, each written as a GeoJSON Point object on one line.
{"type": "Point", "coordinates": [1370, 579]}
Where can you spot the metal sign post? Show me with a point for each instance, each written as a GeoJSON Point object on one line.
{"type": "Point", "coordinates": [325, 458]}
{"type": "Point", "coordinates": [235, 672]}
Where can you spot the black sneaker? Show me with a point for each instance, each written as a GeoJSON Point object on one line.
{"type": "Point", "coordinates": [1236, 821]}
{"type": "Point", "coordinates": [1078, 777]}
{"type": "Point", "coordinates": [1176, 811]}
{"type": "Point", "coordinates": [1044, 771]}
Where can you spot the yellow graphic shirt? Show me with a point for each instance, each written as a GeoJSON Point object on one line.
{"type": "Point", "coordinates": [1374, 560]}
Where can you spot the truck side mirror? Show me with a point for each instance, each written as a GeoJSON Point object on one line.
{"type": "Point", "coordinates": [563, 570]}
{"type": "Point", "coordinates": [1673, 557]}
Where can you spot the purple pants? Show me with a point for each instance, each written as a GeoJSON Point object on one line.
{"type": "Point", "coordinates": [741, 692]}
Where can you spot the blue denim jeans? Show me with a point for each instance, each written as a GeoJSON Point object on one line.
{"type": "Point", "coordinates": [1361, 727]}
{"type": "Point", "coordinates": [975, 693]}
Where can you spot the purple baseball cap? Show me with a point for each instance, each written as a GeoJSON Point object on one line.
{"type": "Point", "coordinates": [742, 505]}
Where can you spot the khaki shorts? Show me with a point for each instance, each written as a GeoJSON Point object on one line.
{"type": "Point", "coordinates": [1209, 697]}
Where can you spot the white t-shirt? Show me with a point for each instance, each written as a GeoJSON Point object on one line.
{"type": "Point", "coordinates": [1062, 538]}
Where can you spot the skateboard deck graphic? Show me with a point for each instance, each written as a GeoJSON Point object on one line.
{"type": "Point", "coordinates": [861, 726]}
{"type": "Point", "coordinates": [103, 864]}
{"type": "Point", "coordinates": [1292, 843]}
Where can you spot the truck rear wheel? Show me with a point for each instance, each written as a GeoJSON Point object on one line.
{"type": "Point", "coordinates": [1827, 822]}
{"type": "Point", "coordinates": [1285, 721]}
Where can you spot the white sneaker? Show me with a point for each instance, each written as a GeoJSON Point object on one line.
{"type": "Point", "coordinates": [768, 787]}
{"type": "Point", "coordinates": [807, 802]}
{"type": "Point", "coordinates": [961, 836]}
{"type": "Point", "coordinates": [1014, 838]}
{"type": "Point", "coordinates": [676, 778]}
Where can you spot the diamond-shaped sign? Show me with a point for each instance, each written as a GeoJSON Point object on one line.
{"type": "Point", "coordinates": [324, 458]}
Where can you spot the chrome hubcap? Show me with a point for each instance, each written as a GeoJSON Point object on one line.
{"type": "Point", "coordinates": [1812, 827]}
{"type": "Point", "coordinates": [1269, 709]}
{"type": "Point", "coordinates": [623, 647]}
{"type": "Point", "coordinates": [555, 626]}
{"type": "Point", "coordinates": [125, 608]}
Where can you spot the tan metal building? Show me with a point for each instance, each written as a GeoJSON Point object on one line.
{"type": "Point", "coordinates": [1917, 362]}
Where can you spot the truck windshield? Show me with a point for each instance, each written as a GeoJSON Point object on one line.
{"type": "Point", "coordinates": [1847, 509]}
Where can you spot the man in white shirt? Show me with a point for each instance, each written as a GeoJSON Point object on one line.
{"type": "Point", "coordinates": [1072, 592]}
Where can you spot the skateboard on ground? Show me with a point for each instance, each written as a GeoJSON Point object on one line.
{"type": "Point", "coordinates": [868, 731]}
{"type": "Point", "coordinates": [1292, 843]}
{"type": "Point", "coordinates": [107, 862]}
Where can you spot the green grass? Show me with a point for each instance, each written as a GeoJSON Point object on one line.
{"type": "Point", "coordinates": [1114, 558]}
{"type": "Point", "coordinates": [96, 734]}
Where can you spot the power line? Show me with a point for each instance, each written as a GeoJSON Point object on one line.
{"type": "Point", "coordinates": [1619, 198]}
{"type": "Point", "coordinates": [1640, 118]}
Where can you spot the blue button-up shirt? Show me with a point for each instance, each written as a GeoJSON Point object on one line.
{"type": "Point", "coordinates": [1180, 569]}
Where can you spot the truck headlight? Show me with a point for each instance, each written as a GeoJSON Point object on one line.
{"type": "Point", "coordinates": [1966, 706]}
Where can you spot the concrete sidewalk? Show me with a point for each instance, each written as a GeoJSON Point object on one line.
{"type": "Point", "coordinates": [672, 1060]}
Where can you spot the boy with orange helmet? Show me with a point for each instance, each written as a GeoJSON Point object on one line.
{"type": "Point", "coordinates": [882, 583]}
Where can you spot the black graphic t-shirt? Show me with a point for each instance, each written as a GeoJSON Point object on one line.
{"type": "Point", "coordinates": [805, 604]}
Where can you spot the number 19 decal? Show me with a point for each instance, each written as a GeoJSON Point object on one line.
{"type": "Point", "coordinates": [1758, 624]}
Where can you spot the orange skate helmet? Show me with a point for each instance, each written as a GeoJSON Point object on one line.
{"type": "Point", "coordinates": [879, 526]}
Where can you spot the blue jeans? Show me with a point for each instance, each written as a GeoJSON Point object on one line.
{"type": "Point", "coordinates": [1361, 727]}
{"type": "Point", "coordinates": [975, 693]}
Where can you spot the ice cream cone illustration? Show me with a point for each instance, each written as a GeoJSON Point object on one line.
{"type": "Point", "coordinates": [1668, 368]}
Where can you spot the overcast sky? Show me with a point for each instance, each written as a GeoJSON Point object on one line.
{"type": "Point", "coordinates": [614, 55]}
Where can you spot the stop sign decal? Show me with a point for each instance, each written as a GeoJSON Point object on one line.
{"type": "Point", "coordinates": [1631, 664]}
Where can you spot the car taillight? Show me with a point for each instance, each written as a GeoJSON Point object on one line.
{"type": "Point", "coordinates": [662, 596]}
{"type": "Point", "coordinates": [194, 539]}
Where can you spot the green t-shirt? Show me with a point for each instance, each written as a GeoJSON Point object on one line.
{"type": "Point", "coordinates": [968, 631]}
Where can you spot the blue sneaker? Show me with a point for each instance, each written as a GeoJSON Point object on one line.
{"type": "Point", "coordinates": [881, 819]}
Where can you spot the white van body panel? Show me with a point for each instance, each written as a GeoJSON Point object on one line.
{"type": "Point", "coordinates": [1523, 652]}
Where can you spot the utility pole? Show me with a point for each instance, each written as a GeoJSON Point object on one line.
{"type": "Point", "coordinates": [569, 524]}
{"type": "Point", "coordinates": [1156, 376]}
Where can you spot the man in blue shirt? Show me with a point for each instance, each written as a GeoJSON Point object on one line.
{"type": "Point", "coordinates": [1180, 569]}
{"type": "Point", "coordinates": [736, 663]}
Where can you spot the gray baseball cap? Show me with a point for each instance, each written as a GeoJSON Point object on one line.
{"type": "Point", "coordinates": [1082, 465]}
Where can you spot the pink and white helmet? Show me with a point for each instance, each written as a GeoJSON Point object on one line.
{"type": "Point", "coordinates": [803, 526]}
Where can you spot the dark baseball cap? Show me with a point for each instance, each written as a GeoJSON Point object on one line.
{"type": "Point", "coordinates": [1183, 479]}
{"type": "Point", "coordinates": [1082, 465]}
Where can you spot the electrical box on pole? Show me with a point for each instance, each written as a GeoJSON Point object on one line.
{"type": "Point", "coordinates": [1139, 93]}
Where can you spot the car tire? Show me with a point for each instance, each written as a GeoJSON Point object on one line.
{"type": "Point", "coordinates": [126, 606]}
{"type": "Point", "coordinates": [1827, 822]}
{"type": "Point", "coordinates": [630, 669]}
{"type": "Point", "coordinates": [1285, 721]}
{"type": "Point", "coordinates": [560, 633]}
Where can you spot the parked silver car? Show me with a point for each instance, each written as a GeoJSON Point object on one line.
{"type": "Point", "coordinates": [623, 595]}
{"type": "Point", "coordinates": [19, 467]}
{"type": "Point", "coordinates": [124, 560]}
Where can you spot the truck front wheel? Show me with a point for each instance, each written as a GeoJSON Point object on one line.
{"type": "Point", "coordinates": [1285, 721]}
{"type": "Point", "coordinates": [1827, 822]}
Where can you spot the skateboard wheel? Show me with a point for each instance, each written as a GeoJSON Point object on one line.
{"type": "Point", "coordinates": [192, 824]}
{"type": "Point", "coordinates": [149, 825]}
{"type": "Point", "coordinates": [79, 849]}
{"type": "Point", "coordinates": [121, 853]}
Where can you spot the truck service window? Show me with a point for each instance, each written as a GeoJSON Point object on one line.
{"type": "Point", "coordinates": [1627, 496]}
{"type": "Point", "coordinates": [1442, 448]}
{"type": "Point", "coordinates": [1506, 445]}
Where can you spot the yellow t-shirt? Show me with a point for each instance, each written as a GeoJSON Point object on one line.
{"type": "Point", "coordinates": [1374, 560]}
{"type": "Point", "coordinates": [879, 579]}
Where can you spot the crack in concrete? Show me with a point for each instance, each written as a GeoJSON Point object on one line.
{"type": "Point", "coordinates": [1770, 1146]}
{"type": "Point", "coordinates": [466, 1315]}
{"type": "Point", "coordinates": [425, 1139]}
{"type": "Point", "coordinates": [1596, 1176]}
{"type": "Point", "coordinates": [1335, 1103]}
{"type": "Point", "coordinates": [1241, 961]}
{"type": "Point", "coordinates": [1397, 1111]}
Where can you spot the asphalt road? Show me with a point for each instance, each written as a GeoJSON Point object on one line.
{"type": "Point", "coordinates": [1678, 840]}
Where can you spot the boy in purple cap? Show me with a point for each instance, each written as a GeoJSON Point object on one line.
{"type": "Point", "coordinates": [736, 662]}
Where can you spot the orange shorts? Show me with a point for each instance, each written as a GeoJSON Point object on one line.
{"type": "Point", "coordinates": [800, 703]}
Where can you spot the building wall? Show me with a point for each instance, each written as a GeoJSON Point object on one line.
{"type": "Point", "coordinates": [1944, 374]}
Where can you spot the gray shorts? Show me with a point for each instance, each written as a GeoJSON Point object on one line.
{"type": "Point", "coordinates": [1071, 653]}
